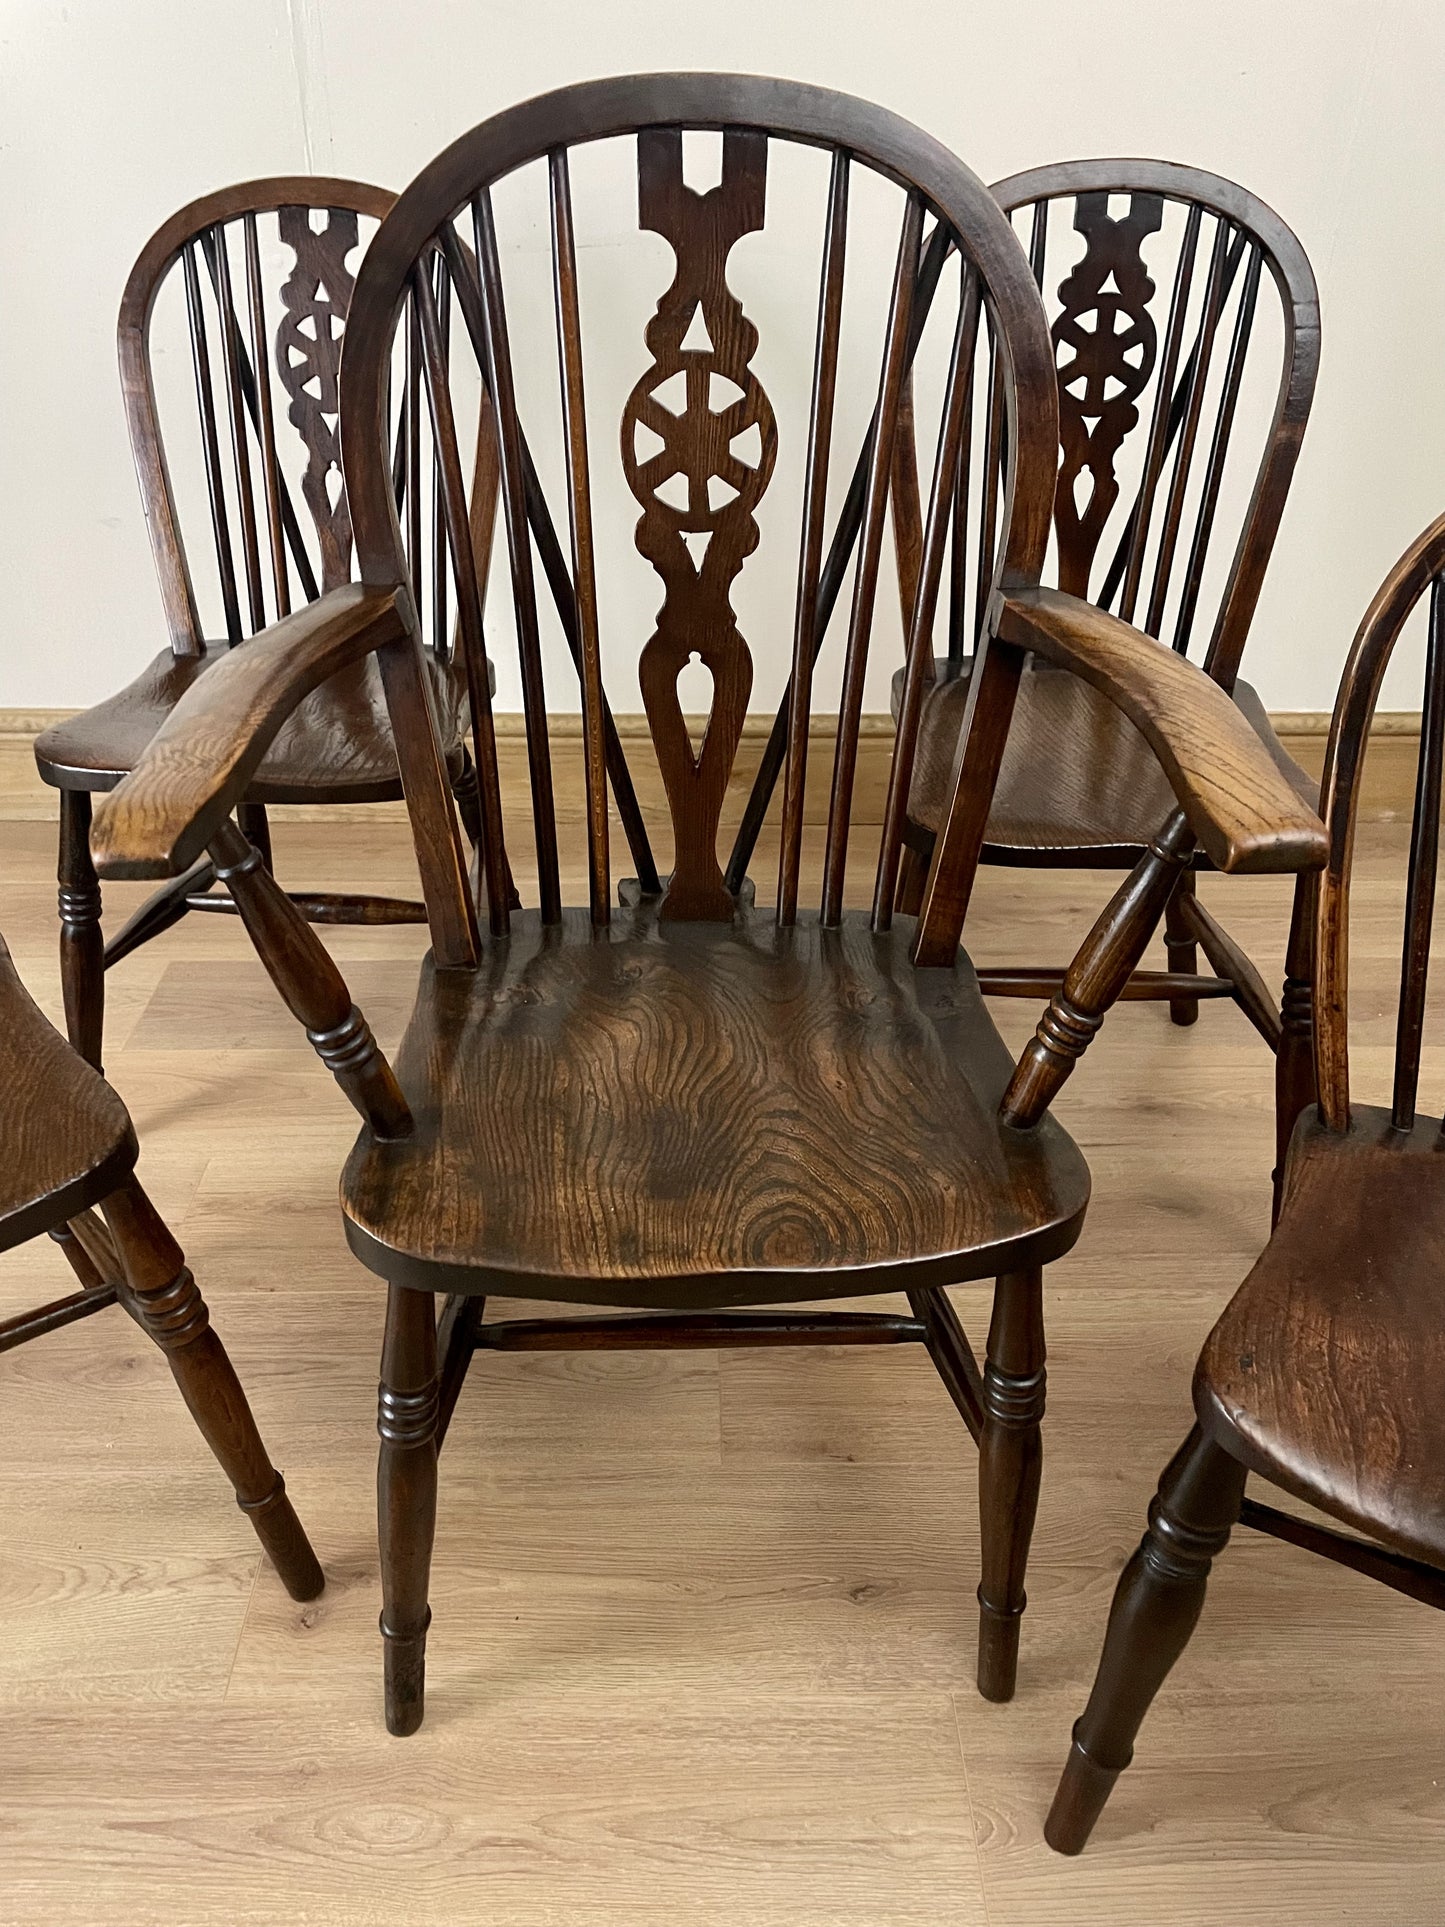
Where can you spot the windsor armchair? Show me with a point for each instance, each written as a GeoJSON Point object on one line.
{"type": "Point", "coordinates": [1323, 1374]}
{"type": "Point", "coordinates": [1154, 318]}
{"type": "Point", "coordinates": [265, 253]}
{"type": "Point", "coordinates": [66, 1147]}
{"type": "Point", "coordinates": [685, 1102]}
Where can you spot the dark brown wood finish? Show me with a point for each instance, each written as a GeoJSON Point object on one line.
{"type": "Point", "coordinates": [245, 337]}
{"type": "Point", "coordinates": [1323, 1374]}
{"type": "Point", "coordinates": [698, 1106]}
{"type": "Point", "coordinates": [67, 1145]}
{"type": "Point", "coordinates": [1165, 364]}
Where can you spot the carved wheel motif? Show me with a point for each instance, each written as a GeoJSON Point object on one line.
{"type": "Point", "coordinates": [1105, 344]}
{"type": "Point", "coordinates": [703, 404]}
{"type": "Point", "coordinates": [315, 298]}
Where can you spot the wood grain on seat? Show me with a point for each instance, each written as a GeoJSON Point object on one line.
{"type": "Point", "coordinates": [335, 748]}
{"type": "Point", "coordinates": [1324, 1373]}
{"type": "Point", "coordinates": [1079, 785]}
{"type": "Point", "coordinates": [65, 1138]}
{"type": "Point", "coordinates": [690, 1114]}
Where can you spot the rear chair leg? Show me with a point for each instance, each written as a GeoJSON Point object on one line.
{"type": "Point", "coordinates": [173, 1313]}
{"type": "Point", "coordinates": [406, 1498]}
{"type": "Point", "coordinates": [82, 949]}
{"type": "Point", "coordinates": [468, 798]}
{"type": "Point", "coordinates": [912, 875]}
{"type": "Point", "coordinates": [1010, 1462]}
{"type": "Point", "coordinates": [1156, 1607]}
{"type": "Point", "coordinates": [256, 828]}
{"type": "Point", "coordinates": [1182, 951]}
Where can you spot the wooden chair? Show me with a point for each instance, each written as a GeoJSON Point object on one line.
{"type": "Point", "coordinates": [1148, 396]}
{"type": "Point", "coordinates": [689, 1103]}
{"type": "Point", "coordinates": [1323, 1374]}
{"type": "Point", "coordinates": [337, 749]}
{"type": "Point", "coordinates": [66, 1147]}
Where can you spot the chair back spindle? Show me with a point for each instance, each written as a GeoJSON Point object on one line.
{"type": "Point", "coordinates": [1419, 576]}
{"type": "Point", "coordinates": [1134, 524]}
{"type": "Point", "coordinates": [700, 435]}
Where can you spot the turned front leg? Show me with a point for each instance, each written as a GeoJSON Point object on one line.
{"type": "Point", "coordinates": [82, 948]}
{"type": "Point", "coordinates": [1156, 1607]}
{"type": "Point", "coordinates": [1010, 1466]}
{"type": "Point", "coordinates": [1093, 982]}
{"type": "Point", "coordinates": [406, 1498]}
{"type": "Point", "coordinates": [171, 1310]}
{"type": "Point", "coordinates": [311, 986]}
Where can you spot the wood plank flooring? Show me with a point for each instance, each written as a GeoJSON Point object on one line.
{"type": "Point", "coordinates": [704, 1625]}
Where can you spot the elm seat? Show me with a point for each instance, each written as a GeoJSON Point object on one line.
{"type": "Point", "coordinates": [335, 748]}
{"type": "Point", "coordinates": [1323, 1374]}
{"type": "Point", "coordinates": [708, 1116]}
{"type": "Point", "coordinates": [67, 1139]}
{"type": "Point", "coordinates": [1077, 779]}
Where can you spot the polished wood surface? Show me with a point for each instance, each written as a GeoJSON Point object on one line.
{"type": "Point", "coordinates": [609, 1108]}
{"type": "Point", "coordinates": [733, 1575]}
{"type": "Point", "coordinates": [1321, 1376]}
{"type": "Point", "coordinates": [731, 1118]}
{"type": "Point", "coordinates": [1135, 362]}
{"type": "Point", "coordinates": [1079, 785]}
{"type": "Point", "coordinates": [68, 1140]}
{"type": "Point", "coordinates": [336, 747]}
{"type": "Point", "coordinates": [1242, 802]}
{"type": "Point", "coordinates": [199, 763]}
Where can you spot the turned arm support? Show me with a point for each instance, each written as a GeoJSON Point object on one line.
{"type": "Point", "coordinates": [179, 798]}
{"type": "Point", "coordinates": [1239, 803]}
{"type": "Point", "coordinates": [197, 766]}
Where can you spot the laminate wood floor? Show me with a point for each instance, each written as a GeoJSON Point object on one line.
{"type": "Point", "coordinates": [704, 1626]}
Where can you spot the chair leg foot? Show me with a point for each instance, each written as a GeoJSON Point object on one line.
{"type": "Point", "coordinates": [998, 1651]}
{"type": "Point", "coordinates": [1082, 1794]}
{"type": "Point", "coordinates": [1156, 1607]}
{"type": "Point", "coordinates": [406, 1498]}
{"type": "Point", "coordinates": [1010, 1465]}
{"type": "Point", "coordinates": [1183, 952]}
{"type": "Point", "coordinates": [283, 1540]}
{"type": "Point", "coordinates": [404, 1669]}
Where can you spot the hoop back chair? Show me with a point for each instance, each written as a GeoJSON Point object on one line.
{"type": "Point", "coordinates": [267, 270]}
{"type": "Point", "coordinates": [1323, 1374]}
{"type": "Point", "coordinates": [687, 1102]}
{"type": "Point", "coordinates": [67, 1155]}
{"type": "Point", "coordinates": [1154, 274]}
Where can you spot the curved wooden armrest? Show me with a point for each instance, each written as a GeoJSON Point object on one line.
{"type": "Point", "coordinates": [1240, 805]}
{"type": "Point", "coordinates": [198, 764]}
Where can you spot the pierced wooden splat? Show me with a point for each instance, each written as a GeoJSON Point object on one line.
{"type": "Point", "coordinates": [1106, 325]}
{"type": "Point", "coordinates": [315, 297]}
{"type": "Point", "coordinates": [697, 491]}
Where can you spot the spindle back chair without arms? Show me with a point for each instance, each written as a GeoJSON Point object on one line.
{"type": "Point", "coordinates": [66, 1148]}
{"type": "Point", "coordinates": [688, 1103]}
{"type": "Point", "coordinates": [1153, 275]}
{"type": "Point", "coordinates": [1323, 1375]}
{"type": "Point", "coordinates": [266, 269]}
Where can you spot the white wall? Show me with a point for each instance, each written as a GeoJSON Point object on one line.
{"type": "Point", "coordinates": [114, 112]}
